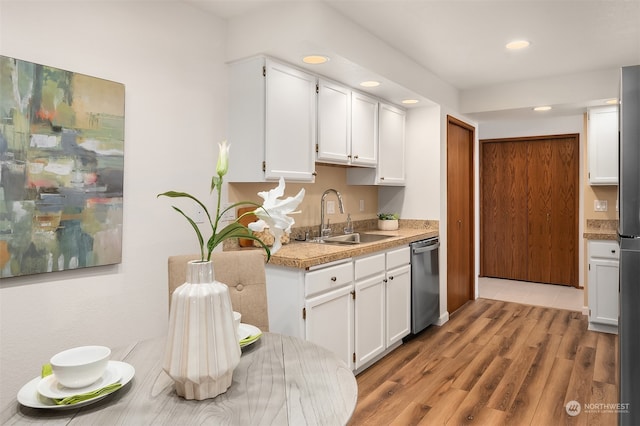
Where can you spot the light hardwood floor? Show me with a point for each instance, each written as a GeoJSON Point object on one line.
{"type": "Point", "coordinates": [553, 296]}
{"type": "Point", "coordinates": [495, 363]}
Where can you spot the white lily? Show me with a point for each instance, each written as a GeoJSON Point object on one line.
{"type": "Point", "coordinates": [223, 159]}
{"type": "Point", "coordinates": [273, 213]}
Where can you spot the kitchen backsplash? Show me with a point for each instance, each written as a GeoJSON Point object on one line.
{"type": "Point", "coordinates": [328, 177]}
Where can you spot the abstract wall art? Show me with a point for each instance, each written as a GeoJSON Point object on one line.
{"type": "Point", "coordinates": [61, 169]}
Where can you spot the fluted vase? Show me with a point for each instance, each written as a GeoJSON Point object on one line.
{"type": "Point", "coordinates": [202, 347]}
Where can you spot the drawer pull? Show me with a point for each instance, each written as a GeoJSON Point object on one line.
{"type": "Point", "coordinates": [613, 251]}
{"type": "Point", "coordinates": [391, 277]}
{"type": "Point", "coordinates": [334, 279]}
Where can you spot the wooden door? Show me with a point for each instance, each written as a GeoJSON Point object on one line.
{"type": "Point", "coordinates": [460, 213]}
{"type": "Point", "coordinates": [504, 210]}
{"type": "Point", "coordinates": [538, 197]}
{"type": "Point", "coordinates": [563, 259]}
{"type": "Point", "coordinates": [529, 209]}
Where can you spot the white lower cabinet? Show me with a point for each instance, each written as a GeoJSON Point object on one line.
{"type": "Point", "coordinates": [369, 308]}
{"type": "Point", "coordinates": [359, 309]}
{"type": "Point", "coordinates": [329, 322]}
{"type": "Point", "coordinates": [603, 285]}
{"type": "Point", "coordinates": [398, 304]}
{"type": "Point", "coordinates": [382, 303]}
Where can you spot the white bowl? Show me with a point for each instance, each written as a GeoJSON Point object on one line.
{"type": "Point", "coordinates": [237, 316]}
{"type": "Point", "coordinates": [81, 366]}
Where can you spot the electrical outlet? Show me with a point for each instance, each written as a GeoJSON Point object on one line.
{"type": "Point", "coordinates": [331, 207]}
{"type": "Point", "coordinates": [361, 205]}
{"type": "Point", "coordinates": [198, 215]}
{"type": "Point", "coordinates": [600, 205]}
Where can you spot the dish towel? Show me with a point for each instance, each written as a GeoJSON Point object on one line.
{"type": "Point", "coordinates": [74, 399]}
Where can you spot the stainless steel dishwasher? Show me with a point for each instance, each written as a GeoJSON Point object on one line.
{"type": "Point", "coordinates": [425, 284]}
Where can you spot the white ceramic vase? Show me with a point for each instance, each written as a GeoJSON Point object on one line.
{"type": "Point", "coordinates": [388, 225]}
{"type": "Point", "coordinates": [202, 347]}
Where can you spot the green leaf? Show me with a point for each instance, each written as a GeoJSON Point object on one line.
{"type": "Point", "coordinates": [235, 230]}
{"type": "Point", "coordinates": [195, 228]}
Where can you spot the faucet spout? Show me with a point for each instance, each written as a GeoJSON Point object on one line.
{"type": "Point", "coordinates": [325, 231]}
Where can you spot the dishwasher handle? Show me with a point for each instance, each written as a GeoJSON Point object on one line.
{"type": "Point", "coordinates": [429, 247]}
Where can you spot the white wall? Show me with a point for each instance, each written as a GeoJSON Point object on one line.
{"type": "Point", "coordinates": [420, 198]}
{"type": "Point", "coordinates": [319, 27]}
{"type": "Point", "coordinates": [568, 90]}
{"type": "Point", "coordinates": [170, 58]}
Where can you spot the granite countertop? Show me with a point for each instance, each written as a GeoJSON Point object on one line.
{"type": "Point", "coordinates": [600, 229]}
{"type": "Point", "coordinates": [303, 255]}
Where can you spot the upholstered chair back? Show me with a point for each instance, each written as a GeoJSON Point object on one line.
{"type": "Point", "coordinates": [243, 271]}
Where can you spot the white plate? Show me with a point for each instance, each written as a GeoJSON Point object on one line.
{"type": "Point", "coordinates": [247, 330]}
{"type": "Point", "coordinates": [29, 396]}
{"type": "Point", "coordinates": [51, 388]}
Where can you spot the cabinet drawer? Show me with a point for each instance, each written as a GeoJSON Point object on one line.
{"type": "Point", "coordinates": [604, 249]}
{"type": "Point", "coordinates": [369, 265]}
{"type": "Point", "coordinates": [399, 257]}
{"type": "Point", "coordinates": [328, 278]}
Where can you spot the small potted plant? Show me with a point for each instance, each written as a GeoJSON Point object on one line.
{"type": "Point", "coordinates": [387, 221]}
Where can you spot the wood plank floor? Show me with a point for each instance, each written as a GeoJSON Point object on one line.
{"type": "Point", "coordinates": [495, 363]}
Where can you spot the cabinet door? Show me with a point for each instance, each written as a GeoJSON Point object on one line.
{"type": "Point", "coordinates": [364, 130]}
{"type": "Point", "coordinates": [369, 319]}
{"type": "Point", "coordinates": [334, 123]}
{"type": "Point", "coordinates": [329, 322]}
{"type": "Point", "coordinates": [603, 146]}
{"type": "Point", "coordinates": [398, 304]}
{"type": "Point", "coordinates": [603, 291]}
{"type": "Point", "coordinates": [391, 145]}
{"type": "Point", "coordinates": [290, 128]}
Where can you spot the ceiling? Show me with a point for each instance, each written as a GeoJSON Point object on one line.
{"type": "Point", "coordinates": [463, 42]}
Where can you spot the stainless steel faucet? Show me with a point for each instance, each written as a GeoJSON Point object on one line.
{"type": "Point", "coordinates": [326, 231]}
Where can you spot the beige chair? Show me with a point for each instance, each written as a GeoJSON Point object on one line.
{"type": "Point", "coordinates": [244, 273]}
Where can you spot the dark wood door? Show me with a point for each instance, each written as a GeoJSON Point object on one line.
{"type": "Point", "coordinates": [562, 217]}
{"type": "Point", "coordinates": [529, 209]}
{"type": "Point", "coordinates": [460, 213]}
{"type": "Point", "coordinates": [504, 210]}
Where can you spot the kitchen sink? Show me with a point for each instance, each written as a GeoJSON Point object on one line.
{"type": "Point", "coordinates": [355, 238]}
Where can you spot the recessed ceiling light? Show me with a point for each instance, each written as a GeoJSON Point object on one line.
{"type": "Point", "coordinates": [542, 108]}
{"type": "Point", "coordinates": [315, 59]}
{"type": "Point", "coordinates": [410, 101]}
{"type": "Point", "coordinates": [517, 44]}
{"type": "Point", "coordinates": [612, 102]}
{"type": "Point", "coordinates": [370, 83]}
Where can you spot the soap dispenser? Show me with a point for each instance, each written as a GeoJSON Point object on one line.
{"type": "Point", "coordinates": [349, 228]}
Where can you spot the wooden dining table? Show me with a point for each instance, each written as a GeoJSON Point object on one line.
{"type": "Point", "coordinates": [280, 380]}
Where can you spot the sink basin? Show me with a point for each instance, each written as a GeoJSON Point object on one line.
{"type": "Point", "coordinates": [355, 238]}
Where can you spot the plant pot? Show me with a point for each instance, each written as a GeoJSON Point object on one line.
{"type": "Point", "coordinates": [388, 225]}
{"type": "Point", "coordinates": [202, 346]}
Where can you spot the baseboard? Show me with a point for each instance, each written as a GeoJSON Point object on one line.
{"type": "Point", "coordinates": [585, 310]}
{"type": "Point", "coordinates": [603, 328]}
{"type": "Point", "coordinates": [443, 319]}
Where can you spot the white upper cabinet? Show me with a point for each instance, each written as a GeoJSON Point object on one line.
{"type": "Point", "coordinates": [334, 123]}
{"type": "Point", "coordinates": [364, 130]}
{"type": "Point", "coordinates": [347, 126]}
{"type": "Point", "coordinates": [390, 168]}
{"type": "Point", "coordinates": [272, 121]}
{"type": "Point", "coordinates": [603, 146]}
{"type": "Point", "coordinates": [391, 145]}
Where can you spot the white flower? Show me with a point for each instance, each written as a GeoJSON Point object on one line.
{"type": "Point", "coordinates": [223, 159]}
{"type": "Point", "coordinates": [273, 213]}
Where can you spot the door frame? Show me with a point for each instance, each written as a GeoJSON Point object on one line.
{"type": "Point", "coordinates": [471, 288]}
